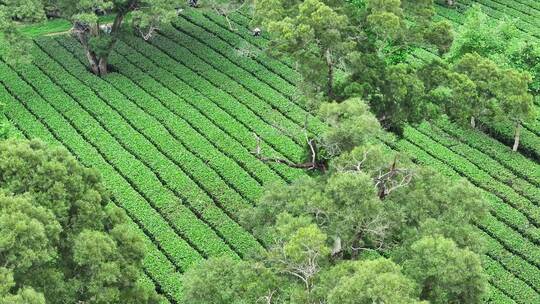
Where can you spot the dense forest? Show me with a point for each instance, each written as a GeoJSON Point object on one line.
{"type": "Point", "coordinates": [269, 151]}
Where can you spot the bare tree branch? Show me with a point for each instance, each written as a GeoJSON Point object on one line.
{"type": "Point", "coordinates": [392, 179]}
{"type": "Point", "coordinates": [311, 165]}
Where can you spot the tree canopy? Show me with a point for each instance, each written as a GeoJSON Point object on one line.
{"type": "Point", "coordinates": [503, 64]}
{"type": "Point", "coordinates": [61, 240]}
{"type": "Point", "coordinates": [96, 38]}
{"type": "Point", "coordinates": [373, 228]}
{"type": "Point", "coordinates": [358, 49]}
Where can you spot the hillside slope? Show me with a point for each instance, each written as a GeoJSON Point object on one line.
{"type": "Point", "coordinates": [172, 130]}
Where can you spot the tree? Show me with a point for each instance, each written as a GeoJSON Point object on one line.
{"type": "Point", "coordinates": [441, 34]}
{"type": "Point", "coordinates": [320, 230]}
{"type": "Point", "coordinates": [378, 69]}
{"type": "Point", "coordinates": [222, 280]}
{"type": "Point", "coordinates": [351, 124]}
{"type": "Point", "coordinates": [482, 35]}
{"type": "Point", "coordinates": [500, 41]}
{"type": "Point", "coordinates": [517, 104]}
{"type": "Point", "coordinates": [432, 204]}
{"type": "Point", "coordinates": [313, 32]}
{"type": "Point", "coordinates": [60, 238]}
{"type": "Point", "coordinates": [23, 296]}
{"type": "Point", "coordinates": [526, 57]}
{"type": "Point", "coordinates": [28, 233]}
{"type": "Point", "coordinates": [301, 250]}
{"type": "Point", "coordinates": [507, 75]}
{"type": "Point", "coordinates": [455, 93]}
{"type": "Point", "coordinates": [376, 281]}
{"type": "Point", "coordinates": [98, 40]}
{"type": "Point", "coordinates": [504, 92]}
{"type": "Point", "coordinates": [445, 273]}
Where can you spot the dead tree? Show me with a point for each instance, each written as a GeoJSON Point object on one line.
{"type": "Point", "coordinates": [313, 164]}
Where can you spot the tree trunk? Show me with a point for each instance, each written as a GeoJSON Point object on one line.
{"type": "Point", "coordinates": [99, 65]}
{"type": "Point", "coordinates": [516, 137]}
{"type": "Point", "coordinates": [337, 249]}
{"type": "Point", "coordinates": [117, 24]}
{"type": "Point", "coordinates": [330, 84]}
{"type": "Point", "coordinates": [93, 62]}
{"type": "Point", "coordinates": [473, 122]}
{"type": "Point", "coordinates": [103, 68]}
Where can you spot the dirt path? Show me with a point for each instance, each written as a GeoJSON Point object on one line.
{"type": "Point", "coordinates": [68, 31]}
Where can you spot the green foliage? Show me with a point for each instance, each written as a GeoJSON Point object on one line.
{"type": "Point", "coordinates": [25, 295]}
{"type": "Point", "coordinates": [442, 36]}
{"type": "Point", "coordinates": [182, 90]}
{"type": "Point", "coordinates": [352, 49]}
{"type": "Point", "coordinates": [226, 281]}
{"type": "Point", "coordinates": [317, 225]}
{"type": "Point", "coordinates": [445, 273]}
{"type": "Point", "coordinates": [474, 88]}
{"type": "Point", "coordinates": [100, 45]}
{"type": "Point", "coordinates": [480, 34]}
{"type": "Point", "coordinates": [374, 281]}
{"type": "Point", "coordinates": [13, 11]}
{"type": "Point", "coordinates": [351, 124]}
{"type": "Point", "coordinates": [147, 16]}
{"type": "Point", "coordinates": [313, 32]}
{"type": "Point", "coordinates": [29, 233]}
{"type": "Point", "coordinates": [56, 220]}
{"type": "Point", "coordinates": [510, 72]}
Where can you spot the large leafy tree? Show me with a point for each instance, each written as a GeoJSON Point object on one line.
{"type": "Point", "coordinates": [313, 32]}
{"type": "Point", "coordinates": [97, 39]}
{"type": "Point", "coordinates": [458, 95]}
{"type": "Point", "coordinates": [60, 239]}
{"type": "Point", "coordinates": [358, 48]}
{"type": "Point", "coordinates": [366, 282]}
{"type": "Point", "coordinates": [503, 92]}
{"type": "Point", "coordinates": [498, 40]}
{"type": "Point", "coordinates": [447, 274]}
{"type": "Point", "coordinates": [97, 42]}
{"type": "Point", "coordinates": [503, 64]}
{"type": "Point", "coordinates": [325, 233]}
